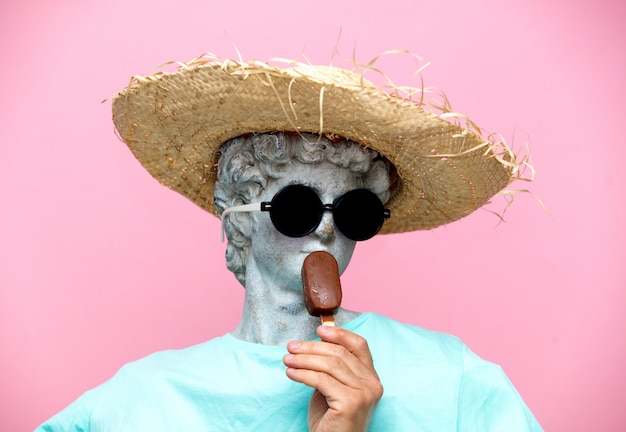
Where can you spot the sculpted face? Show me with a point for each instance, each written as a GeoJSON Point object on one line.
{"type": "Point", "coordinates": [251, 170]}
{"type": "Point", "coordinates": [277, 258]}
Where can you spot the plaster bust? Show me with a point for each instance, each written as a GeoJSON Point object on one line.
{"type": "Point", "coordinates": [267, 263]}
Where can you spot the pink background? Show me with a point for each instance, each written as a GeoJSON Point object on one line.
{"type": "Point", "coordinates": [100, 265]}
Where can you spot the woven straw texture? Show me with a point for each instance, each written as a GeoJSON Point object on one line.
{"type": "Point", "coordinates": [175, 122]}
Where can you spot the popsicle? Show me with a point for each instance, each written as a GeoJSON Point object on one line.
{"type": "Point", "coordinates": [321, 286]}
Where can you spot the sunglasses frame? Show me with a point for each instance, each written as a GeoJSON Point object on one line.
{"type": "Point", "coordinates": [267, 207]}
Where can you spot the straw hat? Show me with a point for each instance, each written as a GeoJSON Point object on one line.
{"type": "Point", "coordinates": [175, 122]}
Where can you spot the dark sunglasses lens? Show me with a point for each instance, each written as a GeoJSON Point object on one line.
{"type": "Point", "coordinates": [359, 214]}
{"type": "Point", "coordinates": [296, 211]}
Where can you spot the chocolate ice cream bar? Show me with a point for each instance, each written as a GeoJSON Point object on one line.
{"type": "Point", "coordinates": [321, 286]}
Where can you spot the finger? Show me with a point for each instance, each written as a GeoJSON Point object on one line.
{"type": "Point", "coordinates": [336, 367]}
{"type": "Point", "coordinates": [354, 343]}
{"type": "Point", "coordinates": [331, 359]}
{"type": "Point", "coordinates": [339, 396]}
{"type": "Point", "coordinates": [326, 384]}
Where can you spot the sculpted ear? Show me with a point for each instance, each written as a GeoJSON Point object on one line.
{"type": "Point", "coordinates": [238, 226]}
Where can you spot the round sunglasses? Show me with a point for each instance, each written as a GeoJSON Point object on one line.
{"type": "Point", "coordinates": [296, 211]}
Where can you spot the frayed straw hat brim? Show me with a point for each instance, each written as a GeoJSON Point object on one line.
{"type": "Point", "coordinates": [175, 122]}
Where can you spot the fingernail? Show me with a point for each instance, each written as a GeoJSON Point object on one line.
{"type": "Point", "coordinates": [324, 329]}
{"type": "Point", "coordinates": [294, 345]}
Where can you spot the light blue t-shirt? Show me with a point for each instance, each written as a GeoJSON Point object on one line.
{"type": "Point", "coordinates": [432, 382]}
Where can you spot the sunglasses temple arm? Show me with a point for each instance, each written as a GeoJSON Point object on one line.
{"type": "Point", "coordinates": [242, 208]}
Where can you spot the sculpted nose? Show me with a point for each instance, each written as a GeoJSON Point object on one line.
{"type": "Point", "coordinates": [326, 229]}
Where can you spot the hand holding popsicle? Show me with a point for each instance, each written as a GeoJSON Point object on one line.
{"type": "Point", "coordinates": [341, 370]}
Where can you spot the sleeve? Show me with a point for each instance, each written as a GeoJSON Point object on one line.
{"type": "Point", "coordinates": [76, 417]}
{"type": "Point", "coordinates": [488, 401]}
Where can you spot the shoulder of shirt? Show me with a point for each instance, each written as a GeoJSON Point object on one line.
{"type": "Point", "coordinates": [378, 329]}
